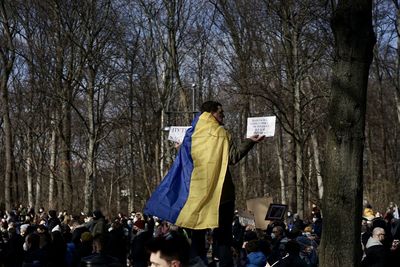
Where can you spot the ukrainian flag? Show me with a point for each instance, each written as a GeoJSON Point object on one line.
{"type": "Point", "coordinates": [190, 193]}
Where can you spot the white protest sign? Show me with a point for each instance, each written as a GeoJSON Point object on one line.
{"type": "Point", "coordinates": [261, 126]}
{"type": "Point", "coordinates": [177, 133]}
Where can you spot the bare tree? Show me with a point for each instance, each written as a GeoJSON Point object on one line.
{"type": "Point", "coordinates": [7, 57]}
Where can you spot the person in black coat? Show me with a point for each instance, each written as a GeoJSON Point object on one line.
{"type": "Point", "coordinates": [117, 242]}
{"type": "Point", "coordinates": [394, 258]}
{"type": "Point", "coordinates": [292, 258]}
{"type": "Point", "coordinates": [57, 250]}
{"type": "Point", "coordinates": [99, 257]}
{"type": "Point", "coordinates": [53, 220]}
{"type": "Point", "coordinates": [376, 255]}
{"type": "Point", "coordinates": [34, 256]}
{"type": "Point", "coordinates": [83, 248]}
{"type": "Point", "coordinates": [138, 254]}
{"type": "Point", "coordinates": [13, 252]}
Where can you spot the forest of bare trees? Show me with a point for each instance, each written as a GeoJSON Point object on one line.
{"type": "Point", "coordinates": [87, 88]}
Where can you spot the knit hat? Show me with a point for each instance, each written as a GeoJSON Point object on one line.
{"type": "Point", "coordinates": [140, 224]}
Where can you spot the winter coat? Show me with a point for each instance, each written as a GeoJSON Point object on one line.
{"type": "Point", "coordinates": [138, 254]}
{"type": "Point", "coordinates": [102, 260]}
{"type": "Point", "coordinates": [290, 261]}
{"type": "Point", "coordinates": [256, 259]}
{"type": "Point", "coordinates": [99, 227]}
{"type": "Point", "coordinates": [375, 254]}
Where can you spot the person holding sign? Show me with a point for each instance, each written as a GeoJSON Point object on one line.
{"type": "Point", "coordinates": [198, 192]}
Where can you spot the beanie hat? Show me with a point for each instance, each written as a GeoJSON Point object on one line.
{"type": "Point", "coordinates": [140, 224]}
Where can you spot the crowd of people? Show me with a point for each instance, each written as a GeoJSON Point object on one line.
{"type": "Point", "coordinates": [49, 238]}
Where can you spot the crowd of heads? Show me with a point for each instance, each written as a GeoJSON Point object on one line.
{"type": "Point", "coordinates": [52, 238]}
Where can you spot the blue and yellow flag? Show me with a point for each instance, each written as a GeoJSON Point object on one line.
{"type": "Point", "coordinates": [190, 193]}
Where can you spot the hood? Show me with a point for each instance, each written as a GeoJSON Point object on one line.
{"type": "Point", "coordinates": [257, 258]}
{"type": "Point", "coordinates": [373, 242]}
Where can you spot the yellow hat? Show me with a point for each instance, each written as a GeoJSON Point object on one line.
{"type": "Point", "coordinates": [368, 214]}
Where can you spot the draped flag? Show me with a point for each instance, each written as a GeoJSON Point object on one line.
{"type": "Point", "coordinates": [190, 193]}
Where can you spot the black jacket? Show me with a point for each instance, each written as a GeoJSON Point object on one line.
{"type": "Point", "coordinates": [376, 256]}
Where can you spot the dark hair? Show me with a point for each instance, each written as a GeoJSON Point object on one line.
{"type": "Point", "coordinates": [292, 247]}
{"type": "Point", "coordinates": [53, 213]}
{"type": "Point", "coordinates": [42, 227]}
{"type": "Point", "coordinates": [210, 106]}
{"type": "Point", "coordinates": [173, 247]}
{"type": "Point", "coordinates": [252, 246]}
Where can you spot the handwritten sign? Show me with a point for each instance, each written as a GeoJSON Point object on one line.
{"type": "Point", "coordinates": [177, 133]}
{"type": "Point", "coordinates": [246, 218]}
{"type": "Point", "coordinates": [261, 126]}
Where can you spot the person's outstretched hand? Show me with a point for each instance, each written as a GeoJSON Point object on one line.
{"type": "Point", "coordinates": [177, 145]}
{"type": "Point", "coordinates": [257, 138]}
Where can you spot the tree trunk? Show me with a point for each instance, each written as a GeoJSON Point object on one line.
{"type": "Point", "coordinates": [342, 203]}
{"type": "Point", "coordinates": [117, 196]}
{"type": "Point", "coordinates": [53, 160]}
{"type": "Point", "coordinates": [144, 170]}
{"type": "Point", "coordinates": [243, 162]}
{"type": "Point", "coordinates": [7, 56]}
{"type": "Point", "coordinates": [65, 184]}
{"type": "Point", "coordinates": [38, 189]}
{"type": "Point", "coordinates": [397, 77]}
{"type": "Point", "coordinates": [64, 196]}
{"type": "Point", "coordinates": [279, 152]}
{"type": "Point", "coordinates": [162, 147]}
{"type": "Point", "coordinates": [131, 178]}
{"type": "Point", "coordinates": [29, 161]}
{"type": "Point", "coordinates": [90, 155]}
{"type": "Point", "coordinates": [309, 192]}
{"type": "Point", "coordinates": [291, 183]}
{"type": "Point", "coordinates": [299, 179]}
{"type": "Point", "coordinates": [317, 164]}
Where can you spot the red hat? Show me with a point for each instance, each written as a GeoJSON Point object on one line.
{"type": "Point", "coordinates": [140, 224]}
